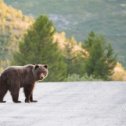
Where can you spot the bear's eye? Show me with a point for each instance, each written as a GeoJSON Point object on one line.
{"type": "Point", "coordinates": [36, 66]}
{"type": "Point", "coordinates": [45, 66]}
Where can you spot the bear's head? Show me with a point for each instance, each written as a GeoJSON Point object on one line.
{"type": "Point", "coordinates": [40, 71]}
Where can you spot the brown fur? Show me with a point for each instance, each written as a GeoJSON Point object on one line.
{"type": "Point", "coordinates": [15, 77]}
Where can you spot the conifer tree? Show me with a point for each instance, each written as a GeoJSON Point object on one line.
{"type": "Point", "coordinates": [101, 60]}
{"type": "Point", "coordinates": [38, 47]}
{"type": "Point", "coordinates": [74, 59]}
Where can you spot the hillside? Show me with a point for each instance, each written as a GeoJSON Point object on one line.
{"type": "Point", "coordinates": [13, 25]}
{"type": "Point", "coordinates": [69, 104]}
{"type": "Point", "coordinates": [64, 42]}
{"type": "Point", "coordinates": [78, 17]}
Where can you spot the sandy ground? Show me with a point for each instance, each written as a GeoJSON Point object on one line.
{"type": "Point", "coordinates": [69, 104]}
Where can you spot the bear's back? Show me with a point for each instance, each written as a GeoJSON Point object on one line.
{"type": "Point", "coordinates": [23, 74]}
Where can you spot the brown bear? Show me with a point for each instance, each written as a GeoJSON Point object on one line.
{"type": "Point", "coordinates": [15, 77]}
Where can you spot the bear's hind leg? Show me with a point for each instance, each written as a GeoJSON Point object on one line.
{"type": "Point", "coordinates": [15, 97]}
{"type": "Point", "coordinates": [3, 91]}
{"type": "Point", "coordinates": [2, 94]}
{"type": "Point", "coordinates": [15, 93]}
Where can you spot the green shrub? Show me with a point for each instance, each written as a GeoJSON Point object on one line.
{"type": "Point", "coordinates": [85, 77]}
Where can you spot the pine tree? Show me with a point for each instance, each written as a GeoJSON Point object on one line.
{"type": "Point", "coordinates": [38, 47]}
{"type": "Point", "coordinates": [101, 60]}
{"type": "Point", "coordinates": [74, 59]}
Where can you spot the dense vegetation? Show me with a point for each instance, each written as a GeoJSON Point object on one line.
{"type": "Point", "coordinates": [101, 60]}
{"type": "Point", "coordinates": [13, 25]}
{"type": "Point", "coordinates": [79, 17]}
{"type": "Point", "coordinates": [24, 40]}
{"type": "Point", "coordinates": [38, 47]}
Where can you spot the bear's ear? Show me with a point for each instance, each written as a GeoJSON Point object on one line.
{"type": "Point", "coordinates": [45, 66]}
{"type": "Point", "coordinates": [36, 66]}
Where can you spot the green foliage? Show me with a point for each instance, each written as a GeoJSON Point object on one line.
{"type": "Point", "coordinates": [12, 29]}
{"type": "Point", "coordinates": [74, 60]}
{"type": "Point", "coordinates": [80, 20]}
{"type": "Point", "coordinates": [102, 59]}
{"type": "Point", "coordinates": [85, 77]}
{"type": "Point", "coordinates": [76, 65]}
{"type": "Point", "coordinates": [38, 47]}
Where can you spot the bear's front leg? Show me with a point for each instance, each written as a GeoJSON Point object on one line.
{"type": "Point", "coordinates": [31, 99]}
{"type": "Point", "coordinates": [28, 93]}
